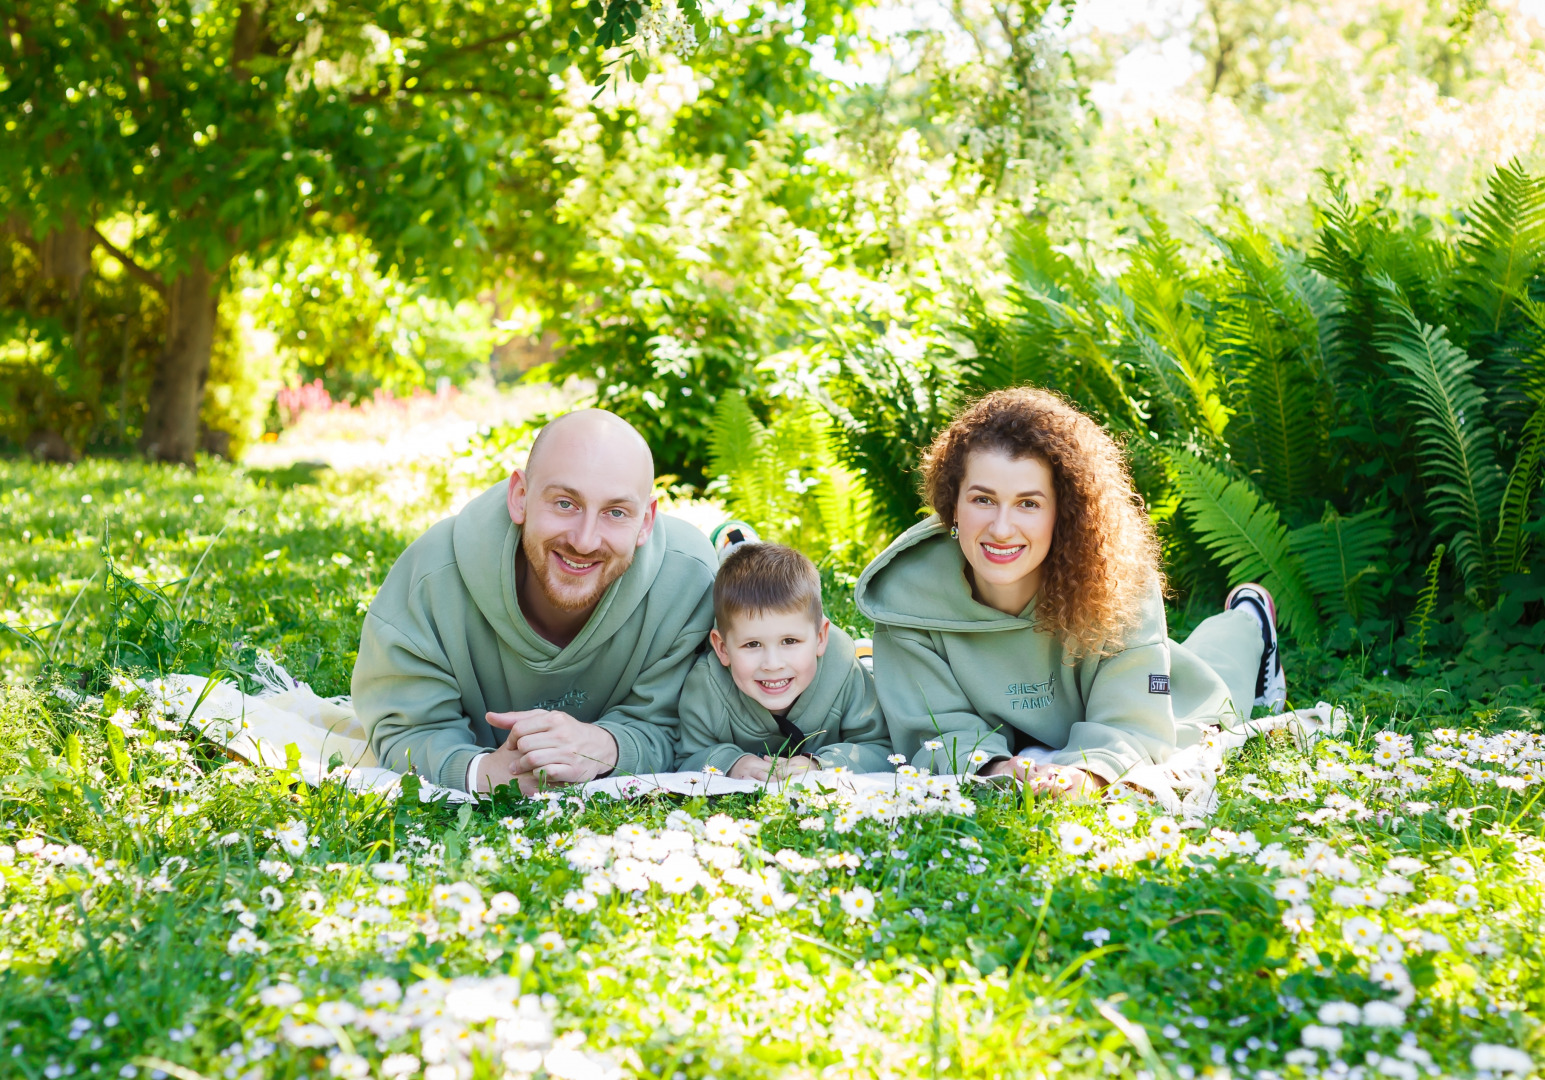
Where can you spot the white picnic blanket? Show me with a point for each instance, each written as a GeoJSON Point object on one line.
{"type": "Point", "coordinates": [330, 742]}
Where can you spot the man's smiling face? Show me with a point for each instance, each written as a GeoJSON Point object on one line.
{"type": "Point", "coordinates": [584, 503]}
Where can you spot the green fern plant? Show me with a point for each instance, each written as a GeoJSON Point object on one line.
{"type": "Point", "coordinates": [1170, 340]}
{"type": "Point", "coordinates": [1245, 533]}
{"type": "Point", "coordinates": [1503, 248]}
{"type": "Point", "coordinates": [886, 409]}
{"type": "Point", "coordinates": [1343, 558]}
{"type": "Point", "coordinates": [1427, 601]}
{"type": "Point", "coordinates": [1457, 445]}
{"type": "Point", "coordinates": [1511, 548]}
{"type": "Point", "coordinates": [784, 479]}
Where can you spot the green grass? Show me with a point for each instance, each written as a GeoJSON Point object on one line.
{"type": "Point", "coordinates": [131, 862]}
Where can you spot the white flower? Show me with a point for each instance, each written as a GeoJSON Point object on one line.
{"type": "Point", "coordinates": [1460, 869]}
{"type": "Point", "coordinates": [1466, 895]}
{"type": "Point", "coordinates": [1121, 816]}
{"type": "Point", "coordinates": [293, 845]}
{"type": "Point", "coordinates": [1431, 942]}
{"type": "Point", "coordinates": [395, 1066]}
{"type": "Point", "coordinates": [503, 903]}
{"type": "Point", "coordinates": [897, 759]}
{"type": "Point", "coordinates": [382, 991]}
{"type": "Point", "coordinates": [679, 873]}
{"type": "Point", "coordinates": [349, 1067]}
{"type": "Point", "coordinates": [1316, 1037]}
{"type": "Point", "coordinates": [1391, 948]}
{"type": "Point", "coordinates": [580, 902]}
{"type": "Point", "coordinates": [1503, 1059]}
{"type": "Point", "coordinates": [933, 744]}
{"type": "Point", "coordinates": [812, 824]}
{"type": "Point", "coordinates": [1389, 976]}
{"type": "Point", "coordinates": [1097, 937]}
{"type": "Point", "coordinates": [390, 871]}
{"type": "Point", "coordinates": [244, 941]}
{"type": "Point", "coordinates": [1164, 828]}
{"type": "Point", "coordinates": [1361, 930]}
{"type": "Point", "coordinates": [1075, 839]}
{"type": "Point", "coordinates": [1333, 1013]}
{"type": "Point", "coordinates": [1299, 918]}
{"type": "Point", "coordinates": [272, 898]}
{"type": "Point", "coordinates": [391, 895]}
{"type": "Point", "coordinates": [1291, 889]}
{"type": "Point", "coordinates": [551, 942]}
{"type": "Point", "coordinates": [980, 757]}
{"type": "Point", "coordinates": [723, 829]}
{"type": "Point", "coordinates": [337, 1013]}
{"type": "Point", "coordinates": [306, 1034]}
{"type": "Point", "coordinates": [484, 858]}
{"type": "Point", "coordinates": [768, 897]}
{"type": "Point", "coordinates": [280, 995]}
{"type": "Point", "coordinates": [858, 902]}
{"type": "Point", "coordinates": [1383, 1014]}
{"type": "Point", "coordinates": [726, 907]}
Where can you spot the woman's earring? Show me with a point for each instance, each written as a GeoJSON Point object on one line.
{"type": "Point", "coordinates": [954, 532]}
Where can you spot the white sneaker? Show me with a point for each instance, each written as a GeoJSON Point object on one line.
{"type": "Point", "coordinates": [1271, 683]}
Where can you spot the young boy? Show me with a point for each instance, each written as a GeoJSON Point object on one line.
{"type": "Point", "coordinates": [783, 691]}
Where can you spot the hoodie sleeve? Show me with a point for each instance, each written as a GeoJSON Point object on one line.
{"type": "Point", "coordinates": [409, 702]}
{"type": "Point", "coordinates": [645, 723]}
{"type": "Point", "coordinates": [923, 703]}
{"type": "Point", "coordinates": [1126, 722]}
{"type": "Point", "coordinates": [1129, 714]}
{"type": "Point", "coordinates": [863, 742]}
{"type": "Point", "coordinates": [706, 735]}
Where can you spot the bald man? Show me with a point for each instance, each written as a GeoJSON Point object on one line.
{"type": "Point", "coordinates": [542, 635]}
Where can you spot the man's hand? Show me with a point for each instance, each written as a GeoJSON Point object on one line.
{"type": "Point", "coordinates": [544, 748]}
{"type": "Point", "coordinates": [751, 767]}
{"type": "Point", "coordinates": [790, 767]}
{"type": "Point", "coordinates": [1058, 781]}
{"type": "Point", "coordinates": [765, 768]}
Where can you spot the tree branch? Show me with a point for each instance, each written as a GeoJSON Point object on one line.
{"type": "Point", "coordinates": [136, 271]}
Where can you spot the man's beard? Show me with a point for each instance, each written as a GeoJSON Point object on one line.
{"type": "Point", "coordinates": [570, 596]}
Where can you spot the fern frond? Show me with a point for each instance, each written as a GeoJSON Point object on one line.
{"type": "Point", "coordinates": [845, 505]}
{"type": "Point", "coordinates": [736, 435]}
{"type": "Point", "coordinates": [1427, 600]}
{"type": "Point", "coordinates": [1278, 429]}
{"type": "Point", "coordinates": [1512, 543]}
{"type": "Point", "coordinates": [1245, 533]}
{"type": "Point", "coordinates": [1504, 243]}
{"type": "Point", "coordinates": [1343, 556]}
{"type": "Point", "coordinates": [1172, 342]}
{"type": "Point", "coordinates": [1458, 447]}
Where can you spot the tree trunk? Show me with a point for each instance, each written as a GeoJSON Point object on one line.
{"type": "Point", "coordinates": [171, 421]}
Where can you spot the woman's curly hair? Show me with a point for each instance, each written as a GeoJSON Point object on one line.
{"type": "Point", "coordinates": [1104, 557]}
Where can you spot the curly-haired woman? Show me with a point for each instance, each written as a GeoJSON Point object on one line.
{"type": "Point", "coordinates": [1027, 613]}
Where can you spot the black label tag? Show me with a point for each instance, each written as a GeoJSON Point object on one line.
{"type": "Point", "coordinates": [1158, 684]}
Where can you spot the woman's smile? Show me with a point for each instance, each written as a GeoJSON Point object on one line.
{"type": "Point", "coordinates": [998, 553]}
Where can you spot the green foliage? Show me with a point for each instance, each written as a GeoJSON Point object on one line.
{"type": "Point", "coordinates": [1457, 446]}
{"type": "Point", "coordinates": [1513, 542]}
{"type": "Point", "coordinates": [887, 409]}
{"type": "Point", "coordinates": [784, 478]}
{"type": "Point", "coordinates": [1245, 534]}
{"type": "Point", "coordinates": [1344, 560]}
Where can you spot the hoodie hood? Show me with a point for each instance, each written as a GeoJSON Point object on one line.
{"type": "Point", "coordinates": [485, 543]}
{"type": "Point", "coordinates": [920, 582]}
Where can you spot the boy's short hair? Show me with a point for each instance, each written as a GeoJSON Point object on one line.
{"type": "Point", "coordinates": [765, 577]}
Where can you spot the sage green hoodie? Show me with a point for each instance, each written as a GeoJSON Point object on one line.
{"type": "Point", "coordinates": [445, 642]}
{"type": "Point", "coordinates": [838, 714]}
{"type": "Point", "coordinates": [952, 670]}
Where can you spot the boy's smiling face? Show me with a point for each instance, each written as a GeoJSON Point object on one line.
{"type": "Point", "coordinates": [772, 654]}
